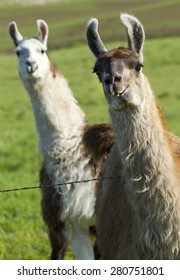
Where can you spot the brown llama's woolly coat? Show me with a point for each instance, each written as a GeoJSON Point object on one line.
{"type": "Point", "coordinates": [138, 211]}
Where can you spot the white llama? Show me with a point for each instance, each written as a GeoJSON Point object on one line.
{"type": "Point", "coordinates": [138, 213]}
{"type": "Point", "coordinates": [67, 145]}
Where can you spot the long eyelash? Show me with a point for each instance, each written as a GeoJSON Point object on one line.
{"type": "Point", "coordinates": [138, 67]}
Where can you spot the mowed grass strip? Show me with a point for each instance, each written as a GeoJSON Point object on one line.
{"type": "Point", "coordinates": [67, 19]}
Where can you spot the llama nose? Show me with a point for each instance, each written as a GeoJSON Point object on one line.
{"type": "Point", "coordinates": [31, 66]}
{"type": "Point", "coordinates": [113, 78]}
{"type": "Point", "coordinates": [113, 83]}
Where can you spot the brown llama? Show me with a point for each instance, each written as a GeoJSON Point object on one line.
{"type": "Point", "coordinates": [138, 212]}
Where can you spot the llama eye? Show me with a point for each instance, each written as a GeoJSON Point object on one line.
{"type": "Point", "coordinates": [18, 53]}
{"type": "Point", "coordinates": [42, 51]}
{"type": "Point", "coordinates": [138, 67]}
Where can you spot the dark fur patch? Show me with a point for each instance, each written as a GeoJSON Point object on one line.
{"type": "Point", "coordinates": [98, 139]}
{"type": "Point", "coordinates": [51, 206]}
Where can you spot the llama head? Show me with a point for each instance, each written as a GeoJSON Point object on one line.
{"type": "Point", "coordinates": [33, 62]}
{"type": "Point", "coordinates": [119, 70]}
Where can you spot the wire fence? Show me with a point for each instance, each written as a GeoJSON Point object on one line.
{"type": "Point", "coordinates": [56, 185]}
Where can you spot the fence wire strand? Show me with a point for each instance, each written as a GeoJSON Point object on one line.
{"type": "Point", "coordinates": [56, 185]}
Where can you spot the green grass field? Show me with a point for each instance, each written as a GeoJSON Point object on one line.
{"type": "Point", "coordinates": [67, 19]}
{"type": "Point", "coordinates": [23, 234]}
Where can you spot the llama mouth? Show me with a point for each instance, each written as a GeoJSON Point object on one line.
{"type": "Point", "coordinates": [120, 93]}
{"type": "Point", "coordinates": [31, 69]}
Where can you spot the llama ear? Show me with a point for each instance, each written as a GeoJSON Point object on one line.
{"type": "Point", "coordinates": [14, 33]}
{"type": "Point", "coordinates": [94, 41]}
{"type": "Point", "coordinates": [136, 35]}
{"type": "Point", "coordinates": [42, 31]}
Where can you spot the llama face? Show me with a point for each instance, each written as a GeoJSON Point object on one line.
{"type": "Point", "coordinates": [119, 71]}
{"type": "Point", "coordinates": [33, 62]}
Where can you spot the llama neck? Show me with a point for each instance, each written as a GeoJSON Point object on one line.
{"type": "Point", "coordinates": [152, 178]}
{"type": "Point", "coordinates": [57, 115]}
{"type": "Point", "coordinates": [149, 162]}
{"type": "Point", "coordinates": [142, 142]}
